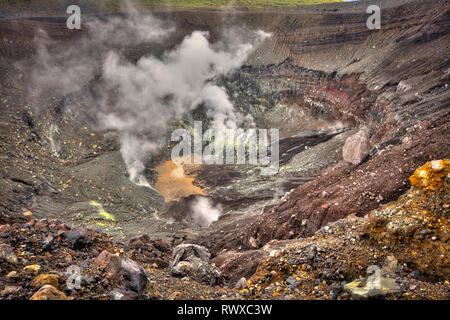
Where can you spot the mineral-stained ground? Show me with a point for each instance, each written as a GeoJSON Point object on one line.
{"type": "Point", "coordinates": [73, 225]}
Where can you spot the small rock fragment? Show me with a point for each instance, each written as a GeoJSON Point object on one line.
{"type": "Point", "coordinates": [47, 243]}
{"type": "Point", "coordinates": [120, 294]}
{"type": "Point", "coordinates": [12, 275]}
{"type": "Point", "coordinates": [33, 268]}
{"type": "Point", "coordinates": [48, 292]}
{"type": "Point", "coordinates": [175, 295]}
{"type": "Point", "coordinates": [291, 283]}
{"type": "Point", "coordinates": [389, 265]}
{"type": "Point", "coordinates": [241, 284]}
{"type": "Point", "coordinates": [44, 279]}
{"type": "Point", "coordinates": [77, 238]}
{"type": "Point", "coordinates": [10, 290]}
{"type": "Point", "coordinates": [7, 253]}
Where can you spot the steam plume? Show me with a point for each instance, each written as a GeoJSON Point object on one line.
{"type": "Point", "coordinates": [204, 213]}
{"type": "Point", "coordinates": [139, 99]}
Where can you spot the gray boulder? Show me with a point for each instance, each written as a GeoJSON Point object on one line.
{"type": "Point", "coordinates": [356, 148]}
{"type": "Point", "coordinates": [134, 276]}
{"type": "Point", "coordinates": [190, 260]}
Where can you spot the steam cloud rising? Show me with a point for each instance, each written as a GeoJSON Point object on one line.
{"type": "Point", "coordinates": [139, 99]}
{"type": "Point", "coordinates": [204, 213]}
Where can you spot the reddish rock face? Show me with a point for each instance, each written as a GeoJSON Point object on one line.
{"type": "Point", "coordinates": [110, 263]}
{"type": "Point", "coordinates": [380, 179]}
{"type": "Point", "coordinates": [356, 148]}
{"type": "Point", "coordinates": [404, 134]}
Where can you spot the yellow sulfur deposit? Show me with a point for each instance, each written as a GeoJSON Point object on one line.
{"type": "Point", "coordinates": [431, 175]}
{"type": "Point", "coordinates": [105, 215]}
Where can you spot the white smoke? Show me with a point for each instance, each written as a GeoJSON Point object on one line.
{"type": "Point", "coordinates": [204, 213]}
{"type": "Point", "coordinates": [154, 91]}
{"type": "Point", "coordinates": [139, 99]}
{"type": "Point", "coordinates": [67, 68]}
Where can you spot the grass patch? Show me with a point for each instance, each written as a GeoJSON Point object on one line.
{"type": "Point", "coordinates": [239, 3]}
{"type": "Point", "coordinates": [115, 4]}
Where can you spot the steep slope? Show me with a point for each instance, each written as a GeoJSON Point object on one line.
{"type": "Point", "coordinates": [393, 83]}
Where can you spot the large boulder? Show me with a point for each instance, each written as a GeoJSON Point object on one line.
{"type": "Point", "coordinates": [189, 252]}
{"type": "Point", "coordinates": [356, 148]}
{"type": "Point", "coordinates": [110, 264]}
{"type": "Point", "coordinates": [122, 271]}
{"type": "Point", "coordinates": [152, 251]}
{"type": "Point", "coordinates": [190, 260]}
{"type": "Point", "coordinates": [134, 276]}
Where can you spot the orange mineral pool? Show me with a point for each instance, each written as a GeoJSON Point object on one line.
{"type": "Point", "coordinates": [173, 184]}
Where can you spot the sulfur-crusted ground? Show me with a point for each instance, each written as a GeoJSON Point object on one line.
{"type": "Point", "coordinates": [414, 230]}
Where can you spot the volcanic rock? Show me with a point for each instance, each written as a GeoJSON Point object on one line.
{"type": "Point", "coordinates": [77, 238]}
{"type": "Point", "coordinates": [356, 148]}
{"type": "Point", "coordinates": [44, 279]}
{"type": "Point", "coordinates": [48, 292]}
{"type": "Point", "coordinates": [352, 245]}
{"type": "Point", "coordinates": [189, 260]}
{"type": "Point", "coordinates": [10, 290]}
{"type": "Point", "coordinates": [371, 289]}
{"type": "Point", "coordinates": [151, 250]}
{"type": "Point", "coordinates": [7, 253]}
{"type": "Point", "coordinates": [188, 252]}
{"type": "Point", "coordinates": [390, 265]}
{"type": "Point", "coordinates": [120, 294]}
{"type": "Point", "coordinates": [12, 275]}
{"type": "Point", "coordinates": [134, 276]}
{"type": "Point", "coordinates": [241, 284]}
{"type": "Point", "coordinates": [110, 264]}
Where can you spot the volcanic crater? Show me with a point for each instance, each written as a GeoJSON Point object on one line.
{"type": "Point", "coordinates": [321, 78]}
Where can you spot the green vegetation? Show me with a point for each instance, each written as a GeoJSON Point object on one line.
{"type": "Point", "coordinates": [115, 4]}
{"type": "Point", "coordinates": [239, 3]}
